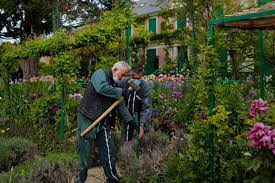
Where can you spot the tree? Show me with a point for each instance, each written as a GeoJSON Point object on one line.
{"type": "Point", "coordinates": [76, 13]}
{"type": "Point", "coordinates": [22, 18]}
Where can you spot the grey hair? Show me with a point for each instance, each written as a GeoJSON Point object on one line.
{"type": "Point", "coordinates": [121, 64]}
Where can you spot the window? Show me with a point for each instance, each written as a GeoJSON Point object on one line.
{"type": "Point", "coordinates": [153, 24]}
{"type": "Point", "coordinates": [181, 23]}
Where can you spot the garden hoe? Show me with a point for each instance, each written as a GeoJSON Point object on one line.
{"type": "Point", "coordinates": [133, 87]}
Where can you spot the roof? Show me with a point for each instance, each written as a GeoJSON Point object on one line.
{"type": "Point", "coordinates": [258, 18]}
{"type": "Point", "coordinates": [145, 7]}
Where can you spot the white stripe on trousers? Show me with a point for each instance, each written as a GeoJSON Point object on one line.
{"type": "Point", "coordinates": [127, 133]}
{"type": "Point", "coordinates": [109, 157]}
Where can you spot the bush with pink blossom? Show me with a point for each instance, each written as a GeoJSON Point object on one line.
{"type": "Point", "coordinates": [258, 106]}
{"type": "Point", "coordinates": [262, 137]}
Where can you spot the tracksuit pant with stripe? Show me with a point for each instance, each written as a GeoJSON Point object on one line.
{"type": "Point", "coordinates": [103, 139]}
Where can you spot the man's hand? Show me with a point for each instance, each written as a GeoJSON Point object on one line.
{"type": "Point", "coordinates": [141, 131]}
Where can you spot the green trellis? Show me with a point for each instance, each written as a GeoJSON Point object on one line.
{"type": "Point", "coordinates": [231, 21]}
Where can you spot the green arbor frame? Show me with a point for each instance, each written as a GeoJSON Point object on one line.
{"type": "Point", "coordinates": [258, 20]}
{"type": "Point", "coordinates": [251, 17]}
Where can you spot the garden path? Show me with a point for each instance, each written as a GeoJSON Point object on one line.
{"type": "Point", "coordinates": [96, 175]}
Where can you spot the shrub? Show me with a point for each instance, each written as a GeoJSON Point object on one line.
{"type": "Point", "coordinates": [14, 151]}
{"type": "Point", "coordinates": [191, 163]}
{"type": "Point", "coordinates": [148, 166]}
{"type": "Point", "coordinates": [59, 168]}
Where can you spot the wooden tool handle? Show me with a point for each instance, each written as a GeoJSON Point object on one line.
{"type": "Point", "coordinates": [101, 117]}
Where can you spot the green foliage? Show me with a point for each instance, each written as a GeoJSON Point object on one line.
{"type": "Point", "coordinates": [14, 151]}
{"type": "Point", "coordinates": [17, 98]}
{"type": "Point", "coordinates": [44, 108]}
{"type": "Point", "coordinates": [171, 103]}
{"type": "Point", "coordinates": [65, 67]}
{"type": "Point", "coordinates": [185, 113]}
{"type": "Point", "coordinates": [203, 80]}
{"type": "Point", "coordinates": [192, 163]}
{"type": "Point", "coordinates": [53, 168]}
{"type": "Point", "coordinates": [231, 97]}
{"type": "Point", "coordinates": [103, 32]}
{"type": "Point", "coordinates": [36, 110]}
{"type": "Point", "coordinates": [261, 166]}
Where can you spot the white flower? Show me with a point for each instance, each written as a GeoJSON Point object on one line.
{"type": "Point", "coordinates": [247, 154]}
{"type": "Point", "coordinates": [268, 78]}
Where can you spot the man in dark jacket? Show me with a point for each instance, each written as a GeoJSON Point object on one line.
{"type": "Point", "coordinates": [139, 103]}
{"type": "Point", "coordinates": [101, 93]}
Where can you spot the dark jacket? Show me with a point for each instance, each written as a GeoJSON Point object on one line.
{"type": "Point", "coordinates": [100, 95]}
{"type": "Point", "coordinates": [139, 101]}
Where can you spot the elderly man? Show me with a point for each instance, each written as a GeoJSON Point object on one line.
{"type": "Point", "coordinates": [101, 93]}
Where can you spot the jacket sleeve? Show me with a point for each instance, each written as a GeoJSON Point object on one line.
{"type": "Point", "coordinates": [146, 107]}
{"type": "Point", "coordinates": [124, 113]}
{"type": "Point", "coordinates": [122, 110]}
{"type": "Point", "coordinates": [103, 87]}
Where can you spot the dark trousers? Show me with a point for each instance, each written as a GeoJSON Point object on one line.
{"type": "Point", "coordinates": [127, 132]}
{"type": "Point", "coordinates": [103, 139]}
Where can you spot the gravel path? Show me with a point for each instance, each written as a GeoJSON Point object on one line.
{"type": "Point", "coordinates": [96, 175]}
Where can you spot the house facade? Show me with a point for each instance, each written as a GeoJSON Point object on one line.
{"type": "Point", "coordinates": [159, 53]}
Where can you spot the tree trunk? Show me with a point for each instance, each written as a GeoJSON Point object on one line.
{"type": "Point", "coordinates": [30, 68]}
{"type": "Point", "coordinates": [234, 65]}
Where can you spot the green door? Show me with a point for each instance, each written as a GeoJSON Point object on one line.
{"type": "Point", "coordinates": [152, 61]}
{"type": "Point", "coordinates": [182, 58]}
{"type": "Point", "coordinates": [153, 24]}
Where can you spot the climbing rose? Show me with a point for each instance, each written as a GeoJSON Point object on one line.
{"type": "Point", "coordinates": [257, 106]}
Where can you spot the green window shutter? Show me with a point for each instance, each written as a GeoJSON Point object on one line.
{"type": "Point", "coordinates": [262, 2]}
{"type": "Point", "coordinates": [152, 61]}
{"type": "Point", "coordinates": [181, 24]}
{"type": "Point", "coordinates": [153, 24]}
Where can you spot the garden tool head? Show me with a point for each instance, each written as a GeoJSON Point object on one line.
{"type": "Point", "coordinates": [133, 85]}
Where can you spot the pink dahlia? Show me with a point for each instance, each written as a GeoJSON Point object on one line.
{"type": "Point", "coordinates": [272, 145]}
{"type": "Point", "coordinates": [257, 106]}
{"type": "Point", "coordinates": [259, 135]}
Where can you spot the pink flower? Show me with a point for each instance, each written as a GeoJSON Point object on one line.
{"type": "Point", "coordinates": [176, 94]}
{"type": "Point", "coordinates": [272, 144]}
{"type": "Point", "coordinates": [262, 136]}
{"type": "Point", "coordinates": [257, 106]}
{"type": "Point", "coordinates": [162, 95]}
{"type": "Point", "coordinates": [258, 135]}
